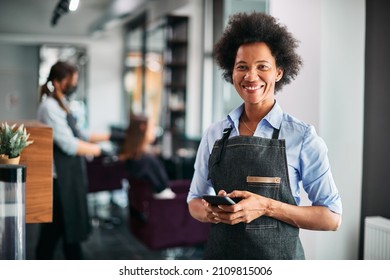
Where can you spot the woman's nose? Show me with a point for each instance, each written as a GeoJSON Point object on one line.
{"type": "Point", "coordinates": [251, 75]}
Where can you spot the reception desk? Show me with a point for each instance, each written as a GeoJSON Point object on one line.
{"type": "Point", "coordinates": [38, 159]}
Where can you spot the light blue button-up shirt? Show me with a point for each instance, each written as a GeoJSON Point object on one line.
{"type": "Point", "coordinates": [307, 158]}
{"type": "Point", "coordinates": [51, 114]}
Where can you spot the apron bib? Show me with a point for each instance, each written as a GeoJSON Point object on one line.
{"type": "Point", "coordinates": [257, 165]}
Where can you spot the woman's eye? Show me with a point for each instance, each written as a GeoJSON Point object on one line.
{"type": "Point", "coordinates": [263, 67]}
{"type": "Point", "coordinates": [240, 67]}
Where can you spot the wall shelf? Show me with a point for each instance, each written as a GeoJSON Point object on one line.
{"type": "Point", "coordinates": [175, 79]}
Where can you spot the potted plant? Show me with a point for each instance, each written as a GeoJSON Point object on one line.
{"type": "Point", "coordinates": [12, 141]}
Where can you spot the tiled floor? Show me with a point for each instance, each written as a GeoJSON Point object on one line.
{"type": "Point", "coordinates": [113, 241]}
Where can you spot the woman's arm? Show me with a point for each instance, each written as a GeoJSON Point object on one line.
{"type": "Point", "coordinates": [307, 217]}
{"type": "Point", "coordinates": [87, 149]}
{"type": "Point", "coordinates": [199, 211]}
{"type": "Point", "coordinates": [99, 137]}
{"type": "Point", "coordinates": [253, 206]}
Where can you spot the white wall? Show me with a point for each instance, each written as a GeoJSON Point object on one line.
{"type": "Point", "coordinates": [105, 95]}
{"type": "Point", "coordinates": [329, 94]}
{"type": "Point", "coordinates": [303, 19]}
{"type": "Point", "coordinates": [341, 119]}
{"type": "Point", "coordinates": [18, 92]}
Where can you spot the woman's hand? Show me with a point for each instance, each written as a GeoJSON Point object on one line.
{"type": "Point", "coordinates": [253, 206]}
{"type": "Point", "coordinates": [249, 208]}
{"type": "Point", "coordinates": [207, 213]}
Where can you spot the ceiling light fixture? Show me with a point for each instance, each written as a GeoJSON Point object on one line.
{"type": "Point", "coordinates": [74, 4]}
{"type": "Point", "coordinates": [63, 7]}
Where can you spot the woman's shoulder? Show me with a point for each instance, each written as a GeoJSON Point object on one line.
{"type": "Point", "coordinates": [49, 104]}
{"type": "Point", "coordinates": [145, 160]}
{"type": "Point", "coordinates": [292, 122]}
{"type": "Point", "coordinates": [215, 130]}
{"type": "Point", "coordinates": [149, 157]}
{"type": "Point", "coordinates": [48, 108]}
{"type": "Point", "coordinates": [301, 133]}
{"type": "Point", "coordinates": [299, 130]}
{"type": "Point", "coordinates": [219, 126]}
{"type": "Point", "coordinates": [49, 101]}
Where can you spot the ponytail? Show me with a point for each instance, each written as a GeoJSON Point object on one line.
{"type": "Point", "coordinates": [44, 91]}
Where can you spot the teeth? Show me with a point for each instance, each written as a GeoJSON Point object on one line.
{"type": "Point", "coordinates": [252, 88]}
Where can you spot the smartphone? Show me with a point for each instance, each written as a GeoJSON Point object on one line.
{"type": "Point", "coordinates": [218, 200]}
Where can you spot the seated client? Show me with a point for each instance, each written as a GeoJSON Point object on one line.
{"type": "Point", "coordinates": [141, 162]}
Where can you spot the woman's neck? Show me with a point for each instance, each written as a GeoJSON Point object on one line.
{"type": "Point", "coordinates": [59, 96]}
{"type": "Point", "coordinates": [254, 113]}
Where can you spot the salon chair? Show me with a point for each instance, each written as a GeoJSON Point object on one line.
{"type": "Point", "coordinates": [163, 223]}
{"type": "Point", "coordinates": [105, 174]}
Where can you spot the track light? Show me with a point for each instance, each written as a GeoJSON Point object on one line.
{"type": "Point", "coordinates": [73, 5]}
{"type": "Point", "coordinates": [63, 7]}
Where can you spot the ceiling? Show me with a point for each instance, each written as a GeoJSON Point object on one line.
{"type": "Point", "coordinates": [33, 17]}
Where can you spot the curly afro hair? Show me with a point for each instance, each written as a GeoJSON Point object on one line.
{"type": "Point", "coordinates": [246, 28]}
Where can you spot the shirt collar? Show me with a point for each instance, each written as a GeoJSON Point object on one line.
{"type": "Point", "coordinates": [274, 117]}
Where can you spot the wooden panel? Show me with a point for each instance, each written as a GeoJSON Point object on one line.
{"type": "Point", "coordinates": [38, 159]}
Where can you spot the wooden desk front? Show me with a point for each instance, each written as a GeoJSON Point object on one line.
{"type": "Point", "coordinates": [38, 159]}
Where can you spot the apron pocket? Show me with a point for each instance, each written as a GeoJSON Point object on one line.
{"type": "Point", "coordinates": [267, 187]}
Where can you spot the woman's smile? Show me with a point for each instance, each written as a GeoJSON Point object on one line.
{"type": "Point", "coordinates": [252, 88]}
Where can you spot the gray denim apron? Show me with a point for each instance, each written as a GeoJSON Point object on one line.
{"type": "Point", "coordinates": [72, 188]}
{"type": "Point", "coordinates": [257, 165]}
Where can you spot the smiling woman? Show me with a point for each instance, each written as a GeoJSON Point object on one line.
{"type": "Point", "coordinates": [260, 154]}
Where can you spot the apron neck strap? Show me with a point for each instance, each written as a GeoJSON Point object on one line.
{"type": "Point", "coordinates": [72, 122]}
{"type": "Point", "coordinates": [275, 134]}
{"type": "Point", "coordinates": [226, 133]}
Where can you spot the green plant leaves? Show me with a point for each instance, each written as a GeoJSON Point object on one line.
{"type": "Point", "coordinates": [13, 141]}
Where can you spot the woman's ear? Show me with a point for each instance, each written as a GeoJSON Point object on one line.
{"type": "Point", "coordinates": [59, 85]}
{"type": "Point", "coordinates": [279, 74]}
{"type": "Point", "coordinates": [56, 84]}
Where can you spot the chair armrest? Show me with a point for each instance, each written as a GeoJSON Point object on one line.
{"type": "Point", "coordinates": [180, 186]}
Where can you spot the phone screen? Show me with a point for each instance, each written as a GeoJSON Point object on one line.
{"type": "Point", "coordinates": [218, 200]}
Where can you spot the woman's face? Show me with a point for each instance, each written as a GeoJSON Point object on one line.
{"type": "Point", "coordinates": [71, 85]}
{"type": "Point", "coordinates": [255, 73]}
{"type": "Point", "coordinates": [67, 85]}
